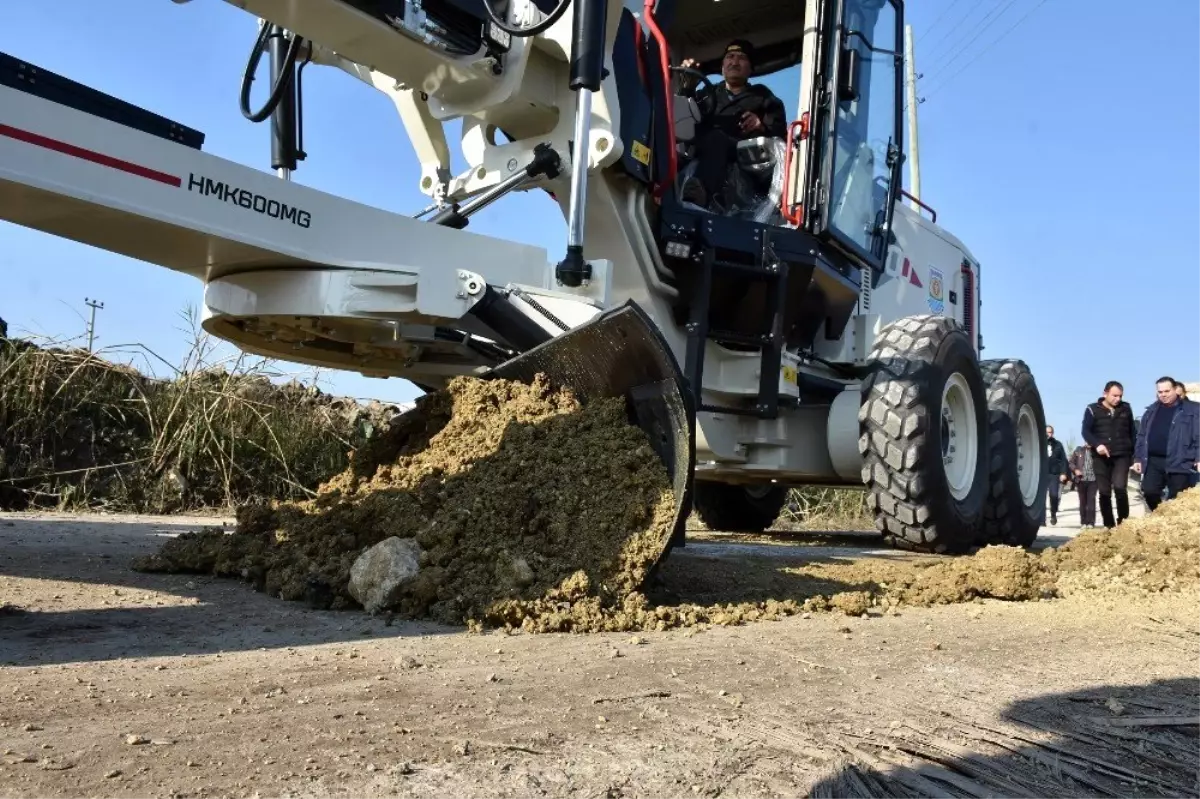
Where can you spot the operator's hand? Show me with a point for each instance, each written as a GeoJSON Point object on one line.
{"type": "Point", "coordinates": [1137, 467]}
{"type": "Point", "coordinates": [687, 81]}
{"type": "Point", "coordinates": [1102, 451]}
{"type": "Point", "coordinates": [751, 123]}
{"type": "Point", "coordinates": [1078, 473]}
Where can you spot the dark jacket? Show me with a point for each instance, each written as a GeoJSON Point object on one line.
{"type": "Point", "coordinates": [1114, 429]}
{"type": "Point", "coordinates": [1183, 442]}
{"type": "Point", "coordinates": [1078, 463]}
{"type": "Point", "coordinates": [1056, 464]}
{"type": "Point", "coordinates": [757, 99]}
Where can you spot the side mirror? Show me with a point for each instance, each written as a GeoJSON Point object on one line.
{"type": "Point", "coordinates": [848, 77]}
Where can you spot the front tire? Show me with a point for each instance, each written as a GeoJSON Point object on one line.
{"type": "Point", "coordinates": [923, 436]}
{"type": "Point", "coordinates": [1016, 506]}
{"type": "Point", "coordinates": [728, 508]}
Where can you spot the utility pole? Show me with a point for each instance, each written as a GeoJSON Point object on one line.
{"type": "Point", "coordinates": [914, 161]}
{"type": "Point", "coordinates": [91, 330]}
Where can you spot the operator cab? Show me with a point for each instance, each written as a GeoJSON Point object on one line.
{"type": "Point", "coordinates": [809, 207]}
{"type": "Point", "coordinates": [769, 42]}
{"type": "Point", "coordinates": [834, 175]}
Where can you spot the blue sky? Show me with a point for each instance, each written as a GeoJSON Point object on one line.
{"type": "Point", "coordinates": [1058, 140]}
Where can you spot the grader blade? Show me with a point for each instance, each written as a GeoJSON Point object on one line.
{"type": "Point", "coordinates": [622, 353]}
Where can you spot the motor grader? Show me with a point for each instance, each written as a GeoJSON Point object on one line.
{"type": "Point", "coordinates": [821, 330]}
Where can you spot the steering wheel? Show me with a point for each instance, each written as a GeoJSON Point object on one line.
{"type": "Point", "coordinates": [708, 106]}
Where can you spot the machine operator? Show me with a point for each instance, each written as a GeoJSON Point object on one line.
{"type": "Point", "coordinates": [740, 110]}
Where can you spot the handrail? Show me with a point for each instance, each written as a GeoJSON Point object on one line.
{"type": "Point", "coordinates": [792, 211]}
{"type": "Point", "coordinates": [926, 206]}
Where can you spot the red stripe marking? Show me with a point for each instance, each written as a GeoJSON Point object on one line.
{"type": "Point", "coordinates": [89, 155]}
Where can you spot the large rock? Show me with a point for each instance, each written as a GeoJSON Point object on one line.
{"type": "Point", "coordinates": [381, 571]}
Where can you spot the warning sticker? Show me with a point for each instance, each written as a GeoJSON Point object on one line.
{"type": "Point", "coordinates": [640, 152]}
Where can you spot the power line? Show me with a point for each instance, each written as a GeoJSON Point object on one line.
{"type": "Point", "coordinates": [979, 54]}
{"type": "Point", "coordinates": [940, 17]}
{"type": "Point", "coordinates": [948, 36]}
{"type": "Point", "coordinates": [953, 55]}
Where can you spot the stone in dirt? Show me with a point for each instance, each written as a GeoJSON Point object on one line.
{"type": "Point", "coordinates": [382, 570]}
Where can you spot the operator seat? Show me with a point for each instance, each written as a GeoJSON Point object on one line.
{"type": "Point", "coordinates": [754, 182]}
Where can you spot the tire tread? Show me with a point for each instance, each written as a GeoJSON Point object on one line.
{"type": "Point", "coordinates": [1004, 520]}
{"type": "Point", "coordinates": [893, 429]}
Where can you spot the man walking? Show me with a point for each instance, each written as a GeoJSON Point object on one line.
{"type": "Point", "coordinates": [1167, 451]}
{"type": "Point", "coordinates": [1085, 485]}
{"type": "Point", "coordinates": [1057, 467]}
{"type": "Point", "coordinates": [1108, 428]}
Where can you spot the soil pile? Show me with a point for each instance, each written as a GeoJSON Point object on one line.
{"type": "Point", "coordinates": [534, 513]}
{"type": "Point", "coordinates": [523, 502]}
{"type": "Point", "coordinates": [1157, 552]}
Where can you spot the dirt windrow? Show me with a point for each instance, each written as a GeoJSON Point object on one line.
{"type": "Point", "coordinates": [534, 513]}
{"type": "Point", "coordinates": [516, 494]}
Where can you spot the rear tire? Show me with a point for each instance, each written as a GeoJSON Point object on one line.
{"type": "Point", "coordinates": [923, 436]}
{"type": "Point", "coordinates": [1016, 506]}
{"type": "Point", "coordinates": [728, 508]}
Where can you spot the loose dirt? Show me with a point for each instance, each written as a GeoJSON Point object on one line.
{"type": "Point", "coordinates": [1152, 554]}
{"type": "Point", "coordinates": [538, 514]}
{"type": "Point", "coordinates": [524, 503]}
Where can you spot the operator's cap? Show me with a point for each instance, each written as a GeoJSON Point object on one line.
{"type": "Point", "coordinates": [740, 46]}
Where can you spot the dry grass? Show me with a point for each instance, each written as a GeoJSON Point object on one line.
{"type": "Point", "coordinates": [80, 431]}
{"type": "Point", "coordinates": [824, 509]}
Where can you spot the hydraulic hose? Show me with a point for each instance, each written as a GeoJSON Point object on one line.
{"type": "Point", "coordinates": [532, 30]}
{"type": "Point", "coordinates": [282, 81]}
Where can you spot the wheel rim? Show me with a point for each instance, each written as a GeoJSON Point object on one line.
{"type": "Point", "coordinates": [960, 445]}
{"type": "Point", "coordinates": [1029, 461]}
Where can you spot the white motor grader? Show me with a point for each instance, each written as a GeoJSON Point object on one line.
{"type": "Point", "coordinates": [816, 331]}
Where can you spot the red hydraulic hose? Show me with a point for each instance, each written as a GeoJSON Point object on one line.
{"type": "Point", "coordinates": [665, 65]}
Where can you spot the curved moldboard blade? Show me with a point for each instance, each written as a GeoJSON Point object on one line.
{"type": "Point", "coordinates": [621, 353]}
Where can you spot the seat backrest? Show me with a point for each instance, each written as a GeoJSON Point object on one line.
{"type": "Point", "coordinates": [687, 114]}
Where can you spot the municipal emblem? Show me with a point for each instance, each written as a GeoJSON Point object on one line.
{"type": "Point", "coordinates": [936, 302]}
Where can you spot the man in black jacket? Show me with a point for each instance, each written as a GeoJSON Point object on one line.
{"type": "Point", "coordinates": [738, 110]}
{"type": "Point", "coordinates": [1108, 427]}
{"type": "Point", "coordinates": [1056, 465]}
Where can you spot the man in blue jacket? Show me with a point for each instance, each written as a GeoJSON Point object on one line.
{"type": "Point", "coordinates": [1167, 452]}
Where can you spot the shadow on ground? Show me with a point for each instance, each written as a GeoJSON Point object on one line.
{"type": "Point", "coordinates": [135, 614]}
{"type": "Point", "coordinates": [692, 576]}
{"type": "Point", "coordinates": [138, 614]}
{"type": "Point", "coordinates": [1118, 740]}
